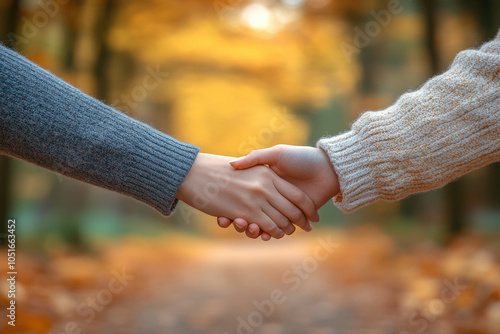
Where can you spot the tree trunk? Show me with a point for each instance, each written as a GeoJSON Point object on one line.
{"type": "Point", "coordinates": [455, 223]}
{"type": "Point", "coordinates": [102, 61]}
{"type": "Point", "coordinates": [488, 14]}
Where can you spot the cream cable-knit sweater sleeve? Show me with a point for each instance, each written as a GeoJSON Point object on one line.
{"type": "Point", "coordinates": [445, 129]}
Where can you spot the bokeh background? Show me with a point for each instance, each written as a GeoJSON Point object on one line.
{"type": "Point", "coordinates": [226, 73]}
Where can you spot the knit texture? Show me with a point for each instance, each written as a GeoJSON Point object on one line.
{"type": "Point", "coordinates": [48, 122]}
{"type": "Point", "coordinates": [447, 128]}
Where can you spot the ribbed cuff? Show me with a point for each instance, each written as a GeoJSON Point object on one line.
{"type": "Point", "coordinates": [347, 153]}
{"type": "Point", "coordinates": [158, 168]}
{"type": "Point", "coordinates": [151, 165]}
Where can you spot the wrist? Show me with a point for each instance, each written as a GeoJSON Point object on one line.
{"type": "Point", "coordinates": [330, 175]}
{"type": "Point", "coordinates": [207, 169]}
{"type": "Point", "coordinates": [191, 182]}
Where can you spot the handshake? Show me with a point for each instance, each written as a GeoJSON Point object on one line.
{"type": "Point", "coordinates": [264, 193]}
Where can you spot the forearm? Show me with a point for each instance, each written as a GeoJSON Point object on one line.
{"type": "Point", "coordinates": [47, 122]}
{"type": "Point", "coordinates": [447, 128]}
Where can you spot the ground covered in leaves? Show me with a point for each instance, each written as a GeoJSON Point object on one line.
{"type": "Point", "coordinates": [328, 282]}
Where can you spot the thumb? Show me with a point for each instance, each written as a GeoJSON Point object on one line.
{"type": "Point", "coordinates": [267, 156]}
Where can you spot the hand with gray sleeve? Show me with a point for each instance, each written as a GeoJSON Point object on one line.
{"type": "Point", "coordinates": [48, 122]}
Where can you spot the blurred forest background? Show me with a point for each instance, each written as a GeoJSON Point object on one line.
{"type": "Point", "coordinates": [220, 74]}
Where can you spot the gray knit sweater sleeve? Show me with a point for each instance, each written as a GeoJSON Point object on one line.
{"type": "Point", "coordinates": [48, 122]}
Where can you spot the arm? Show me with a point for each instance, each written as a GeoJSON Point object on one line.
{"type": "Point", "coordinates": [428, 138]}
{"type": "Point", "coordinates": [48, 122]}
{"type": "Point", "coordinates": [447, 128]}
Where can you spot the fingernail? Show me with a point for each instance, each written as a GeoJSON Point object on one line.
{"type": "Point", "coordinates": [237, 159]}
{"type": "Point", "coordinates": [316, 218]}
{"type": "Point", "coordinates": [309, 228]}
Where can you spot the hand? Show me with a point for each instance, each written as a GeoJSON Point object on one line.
{"type": "Point", "coordinates": [256, 195]}
{"type": "Point", "coordinates": [308, 168]}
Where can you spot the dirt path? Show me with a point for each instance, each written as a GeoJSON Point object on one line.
{"type": "Point", "coordinates": [235, 287]}
{"type": "Point", "coordinates": [181, 284]}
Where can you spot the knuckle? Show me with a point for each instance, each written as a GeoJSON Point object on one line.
{"type": "Point", "coordinates": [276, 232]}
{"type": "Point", "coordinates": [258, 188]}
{"type": "Point", "coordinates": [298, 196]}
{"type": "Point", "coordinates": [284, 223]}
{"type": "Point", "coordinates": [251, 154]}
{"type": "Point", "coordinates": [279, 147]}
{"type": "Point", "coordinates": [309, 212]}
{"type": "Point", "coordinates": [254, 155]}
{"type": "Point", "coordinates": [295, 215]}
{"type": "Point", "coordinates": [289, 230]}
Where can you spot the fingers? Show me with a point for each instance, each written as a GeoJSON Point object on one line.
{"type": "Point", "coordinates": [279, 220]}
{"type": "Point", "coordinates": [240, 225]}
{"type": "Point", "coordinates": [296, 205]}
{"type": "Point", "coordinates": [265, 237]}
{"type": "Point", "coordinates": [253, 231]}
{"type": "Point", "coordinates": [267, 222]}
{"type": "Point", "coordinates": [224, 222]}
{"type": "Point", "coordinates": [269, 156]}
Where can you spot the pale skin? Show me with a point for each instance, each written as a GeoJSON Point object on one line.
{"type": "Point", "coordinates": [257, 195]}
{"type": "Point", "coordinates": [308, 168]}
